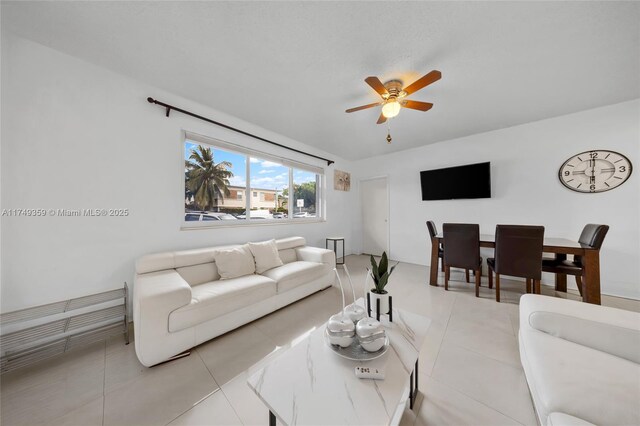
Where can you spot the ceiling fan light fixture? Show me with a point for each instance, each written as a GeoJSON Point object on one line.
{"type": "Point", "coordinates": [391, 108]}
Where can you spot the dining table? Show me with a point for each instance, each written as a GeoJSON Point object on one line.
{"type": "Point", "coordinates": [560, 247]}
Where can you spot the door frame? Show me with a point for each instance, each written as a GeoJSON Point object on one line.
{"type": "Point", "coordinates": [388, 248]}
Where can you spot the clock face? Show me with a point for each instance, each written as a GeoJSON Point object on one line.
{"type": "Point", "coordinates": [595, 171]}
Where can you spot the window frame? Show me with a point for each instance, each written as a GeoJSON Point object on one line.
{"type": "Point", "coordinates": [248, 153]}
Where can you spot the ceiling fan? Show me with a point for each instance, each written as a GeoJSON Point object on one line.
{"type": "Point", "coordinates": [393, 95]}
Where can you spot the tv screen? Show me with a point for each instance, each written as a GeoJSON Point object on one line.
{"type": "Point", "coordinates": [453, 183]}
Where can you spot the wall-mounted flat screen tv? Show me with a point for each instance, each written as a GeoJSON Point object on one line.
{"type": "Point", "coordinates": [453, 183]}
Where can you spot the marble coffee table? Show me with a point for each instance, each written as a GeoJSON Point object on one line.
{"type": "Point", "coordinates": [310, 384]}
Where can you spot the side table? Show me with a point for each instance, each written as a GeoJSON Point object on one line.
{"type": "Point", "coordinates": [335, 241]}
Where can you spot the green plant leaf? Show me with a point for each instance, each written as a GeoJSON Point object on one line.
{"type": "Point", "coordinates": [374, 270]}
{"type": "Point", "coordinates": [392, 268]}
{"type": "Point", "coordinates": [384, 264]}
{"type": "Point", "coordinates": [383, 281]}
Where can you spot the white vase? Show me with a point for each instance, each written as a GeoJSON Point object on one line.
{"type": "Point", "coordinates": [384, 302]}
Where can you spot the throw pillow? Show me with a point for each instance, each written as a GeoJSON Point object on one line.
{"type": "Point", "coordinates": [266, 255]}
{"type": "Point", "coordinates": [235, 262]}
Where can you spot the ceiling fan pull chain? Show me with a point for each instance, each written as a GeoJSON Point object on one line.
{"type": "Point", "coordinates": [389, 133]}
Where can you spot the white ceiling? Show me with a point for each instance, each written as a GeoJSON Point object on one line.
{"type": "Point", "coordinates": [294, 67]}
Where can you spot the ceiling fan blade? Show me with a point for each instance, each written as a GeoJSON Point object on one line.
{"type": "Point", "coordinates": [381, 119]}
{"type": "Point", "coordinates": [377, 85]}
{"type": "Point", "coordinates": [423, 81]}
{"type": "Point", "coordinates": [362, 107]}
{"type": "Point", "coordinates": [420, 106]}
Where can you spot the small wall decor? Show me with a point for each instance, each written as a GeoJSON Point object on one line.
{"type": "Point", "coordinates": [341, 180]}
{"type": "Point", "coordinates": [595, 171]}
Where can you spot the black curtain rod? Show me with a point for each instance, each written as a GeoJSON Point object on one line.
{"type": "Point", "coordinates": [171, 107]}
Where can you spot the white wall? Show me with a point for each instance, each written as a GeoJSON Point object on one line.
{"type": "Point", "coordinates": [525, 188]}
{"type": "Point", "coordinates": [75, 135]}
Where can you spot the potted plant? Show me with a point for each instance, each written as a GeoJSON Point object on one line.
{"type": "Point", "coordinates": [380, 274]}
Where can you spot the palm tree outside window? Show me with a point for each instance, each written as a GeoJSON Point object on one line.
{"type": "Point", "coordinates": [206, 181]}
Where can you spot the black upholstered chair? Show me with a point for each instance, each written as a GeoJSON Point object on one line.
{"type": "Point", "coordinates": [593, 236]}
{"type": "Point", "coordinates": [518, 253]}
{"type": "Point", "coordinates": [462, 250]}
{"type": "Point", "coordinates": [433, 231]}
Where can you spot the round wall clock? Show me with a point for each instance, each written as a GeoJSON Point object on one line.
{"type": "Point", "coordinates": [595, 171]}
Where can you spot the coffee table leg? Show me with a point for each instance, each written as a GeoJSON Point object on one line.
{"type": "Point", "coordinates": [272, 419]}
{"type": "Point", "coordinates": [413, 386]}
{"type": "Point", "coordinates": [411, 396]}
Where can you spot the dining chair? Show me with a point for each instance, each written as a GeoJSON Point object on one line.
{"type": "Point", "coordinates": [518, 253]}
{"type": "Point", "coordinates": [593, 236]}
{"type": "Point", "coordinates": [462, 250]}
{"type": "Point", "coordinates": [433, 231]}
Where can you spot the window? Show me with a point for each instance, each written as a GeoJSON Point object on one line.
{"type": "Point", "coordinates": [271, 178]}
{"type": "Point", "coordinates": [211, 176]}
{"type": "Point", "coordinates": [305, 193]}
{"type": "Point", "coordinates": [224, 182]}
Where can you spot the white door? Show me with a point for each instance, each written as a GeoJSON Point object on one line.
{"type": "Point", "coordinates": [374, 199]}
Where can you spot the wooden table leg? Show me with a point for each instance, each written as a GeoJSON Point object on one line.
{"type": "Point", "coordinates": [561, 279]}
{"type": "Point", "coordinates": [433, 268]}
{"type": "Point", "coordinates": [561, 282]}
{"type": "Point", "coordinates": [591, 276]}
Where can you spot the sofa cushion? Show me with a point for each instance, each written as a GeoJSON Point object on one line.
{"type": "Point", "coordinates": [234, 262]}
{"type": "Point", "coordinates": [288, 255]}
{"type": "Point", "coordinates": [199, 274]}
{"type": "Point", "coordinates": [295, 274]}
{"type": "Point", "coordinates": [579, 381]}
{"type": "Point", "coordinates": [217, 298]}
{"type": "Point", "coordinates": [196, 256]}
{"type": "Point", "coordinates": [613, 339]}
{"type": "Point", "coordinates": [178, 259]}
{"type": "Point", "coordinates": [291, 242]}
{"type": "Point", "coordinates": [266, 255]}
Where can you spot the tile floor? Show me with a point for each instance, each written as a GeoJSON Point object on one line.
{"type": "Point", "coordinates": [469, 366]}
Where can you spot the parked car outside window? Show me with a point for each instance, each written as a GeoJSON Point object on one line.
{"type": "Point", "coordinates": [207, 216]}
{"type": "Point", "coordinates": [257, 214]}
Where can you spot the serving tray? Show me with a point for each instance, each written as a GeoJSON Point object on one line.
{"type": "Point", "coordinates": [355, 351]}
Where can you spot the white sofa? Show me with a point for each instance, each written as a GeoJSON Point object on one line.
{"type": "Point", "coordinates": [581, 361]}
{"type": "Point", "coordinates": [179, 300]}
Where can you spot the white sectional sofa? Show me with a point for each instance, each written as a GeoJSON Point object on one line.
{"type": "Point", "coordinates": [179, 300]}
{"type": "Point", "coordinates": [581, 361]}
